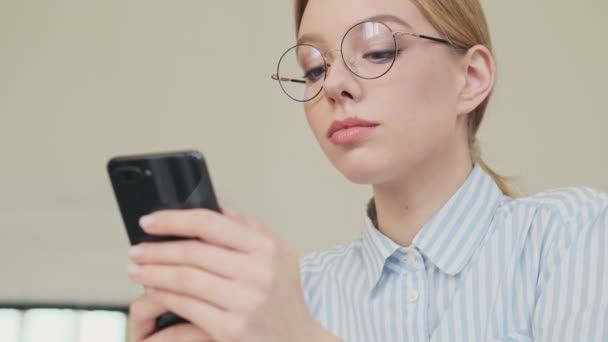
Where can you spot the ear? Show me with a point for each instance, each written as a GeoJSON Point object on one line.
{"type": "Point", "coordinates": [479, 74]}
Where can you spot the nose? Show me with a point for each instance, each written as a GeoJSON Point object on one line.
{"type": "Point", "coordinates": [340, 83]}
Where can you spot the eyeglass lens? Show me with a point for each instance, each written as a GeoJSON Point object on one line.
{"type": "Point", "coordinates": [368, 50]}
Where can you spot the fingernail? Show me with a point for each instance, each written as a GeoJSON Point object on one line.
{"type": "Point", "coordinates": [146, 221]}
{"type": "Point", "coordinates": [133, 269]}
{"type": "Point", "coordinates": [135, 251]}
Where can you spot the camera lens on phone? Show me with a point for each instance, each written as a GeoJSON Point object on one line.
{"type": "Point", "coordinates": [128, 174]}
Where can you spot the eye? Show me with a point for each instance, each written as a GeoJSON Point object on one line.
{"type": "Point", "coordinates": [382, 56]}
{"type": "Point", "coordinates": [313, 75]}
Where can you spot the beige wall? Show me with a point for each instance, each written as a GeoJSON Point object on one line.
{"type": "Point", "coordinates": [81, 81]}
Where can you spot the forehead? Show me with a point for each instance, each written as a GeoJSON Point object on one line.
{"type": "Point", "coordinates": [328, 20]}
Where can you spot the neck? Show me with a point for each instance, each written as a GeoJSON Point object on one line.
{"type": "Point", "coordinates": [403, 206]}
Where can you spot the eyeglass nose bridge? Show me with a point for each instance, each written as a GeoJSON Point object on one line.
{"type": "Point", "coordinates": [326, 53]}
{"type": "Point", "coordinates": [350, 64]}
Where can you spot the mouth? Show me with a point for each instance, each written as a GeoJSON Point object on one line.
{"type": "Point", "coordinates": [350, 130]}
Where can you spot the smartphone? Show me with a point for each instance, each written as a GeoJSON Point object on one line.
{"type": "Point", "coordinates": [146, 183]}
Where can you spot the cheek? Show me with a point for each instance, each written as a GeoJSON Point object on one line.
{"type": "Point", "coordinates": [418, 107]}
{"type": "Point", "coordinates": [314, 119]}
{"type": "Point", "coordinates": [415, 106]}
{"type": "Point", "coordinates": [319, 119]}
{"type": "Point", "coordinates": [424, 86]}
{"type": "Point", "coordinates": [419, 99]}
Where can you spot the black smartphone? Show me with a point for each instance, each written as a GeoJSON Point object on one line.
{"type": "Point", "coordinates": [146, 183]}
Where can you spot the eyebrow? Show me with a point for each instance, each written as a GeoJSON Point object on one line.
{"type": "Point", "coordinates": [310, 37]}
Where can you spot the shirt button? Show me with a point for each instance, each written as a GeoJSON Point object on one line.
{"type": "Point", "coordinates": [412, 261]}
{"type": "Point", "coordinates": [412, 296]}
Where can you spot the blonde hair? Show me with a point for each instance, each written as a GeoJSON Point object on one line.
{"type": "Point", "coordinates": [463, 23]}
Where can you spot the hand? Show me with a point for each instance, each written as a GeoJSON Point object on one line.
{"type": "Point", "coordinates": [142, 316]}
{"type": "Point", "coordinates": [234, 279]}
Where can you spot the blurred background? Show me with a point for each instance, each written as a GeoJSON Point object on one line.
{"type": "Point", "coordinates": [82, 81]}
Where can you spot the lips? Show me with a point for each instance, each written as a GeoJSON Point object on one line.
{"type": "Point", "coordinates": [349, 123]}
{"type": "Point", "coordinates": [350, 131]}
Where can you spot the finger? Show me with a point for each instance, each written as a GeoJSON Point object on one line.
{"type": "Point", "coordinates": [202, 314]}
{"type": "Point", "coordinates": [191, 282]}
{"type": "Point", "coordinates": [180, 332]}
{"type": "Point", "coordinates": [204, 224]}
{"type": "Point", "coordinates": [142, 317]}
{"type": "Point", "coordinates": [231, 214]}
{"type": "Point", "coordinates": [250, 222]}
{"type": "Point", "coordinates": [224, 262]}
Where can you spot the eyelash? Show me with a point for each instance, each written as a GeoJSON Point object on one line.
{"type": "Point", "coordinates": [308, 75]}
{"type": "Point", "coordinates": [310, 78]}
{"type": "Point", "coordinates": [395, 53]}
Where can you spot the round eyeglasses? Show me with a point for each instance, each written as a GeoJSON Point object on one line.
{"type": "Point", "coordinates": [368, 49]}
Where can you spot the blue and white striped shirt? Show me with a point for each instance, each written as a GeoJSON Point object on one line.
{"type": "Point", "coordinates": [485, 267]}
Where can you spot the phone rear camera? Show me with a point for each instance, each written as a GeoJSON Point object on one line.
{"type": "Point", "coordinates": [129, 175]}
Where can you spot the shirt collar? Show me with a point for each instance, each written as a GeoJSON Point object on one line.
{"type": "Point", "coordinates": [450, 238]}
{"type": "Point", "coordinates": [376, 248]}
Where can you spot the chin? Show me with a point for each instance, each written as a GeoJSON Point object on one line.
{"type": "Point", "coordinates": [364, 170]}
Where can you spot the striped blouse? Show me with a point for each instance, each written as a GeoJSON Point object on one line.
{"type": "Point", "coordinates": [485, 267]}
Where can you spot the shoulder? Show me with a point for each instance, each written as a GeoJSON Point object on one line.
{"type": "Point", "coordinates": [335, 263]}
{"type": "Point", "coordinates": [318, 266]}
{"type": "Point", "coordinates": [572, 260]}
{"type": "Point", "coordinates": [319, 262]}
{"type": "Point", "coordinates": [561, 223]}
{"type": "Point", "coordinates": [567, 203]}
{"type": "Point", "coordinates": [569, 209]}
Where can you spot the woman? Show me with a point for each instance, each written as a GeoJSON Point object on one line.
{"type": "Point", "coordinates": [394, 91]}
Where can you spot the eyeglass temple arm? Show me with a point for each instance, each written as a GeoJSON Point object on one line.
{"type": "Point", "coordinates": [440, 40]}
{"type": "Point", "coordinates": [285, 79]}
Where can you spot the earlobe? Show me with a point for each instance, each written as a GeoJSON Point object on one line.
{"type": "Point", "coordinates": [479, 75]}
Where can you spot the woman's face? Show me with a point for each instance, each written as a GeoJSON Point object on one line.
{"type": "Point", "coordinates": [415, 104]}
